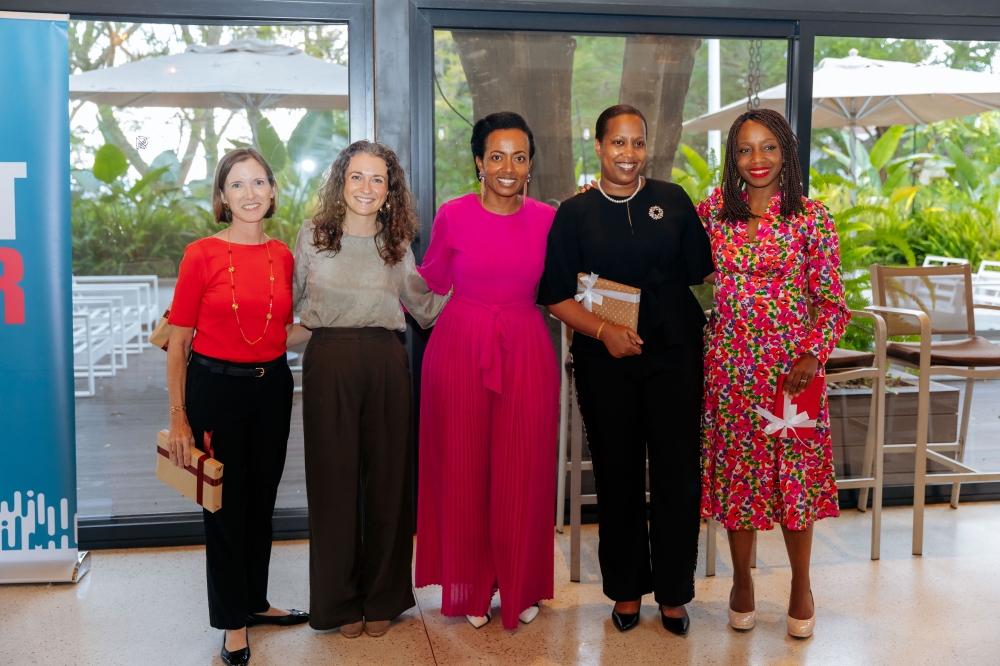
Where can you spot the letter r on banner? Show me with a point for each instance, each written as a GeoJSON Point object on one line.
{"type": "Point", "coordinates": [13, 295]}
{"type": "Point", "coordinates": [8, 172]}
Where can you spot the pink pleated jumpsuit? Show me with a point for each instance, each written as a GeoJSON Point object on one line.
{"type": "Point", "coordinates": [488, 414]}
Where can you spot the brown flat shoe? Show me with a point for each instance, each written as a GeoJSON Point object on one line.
{"type": "Point", "coordinates": [377, 628]}
{"type": "Point", "coordinates": [352, 630]}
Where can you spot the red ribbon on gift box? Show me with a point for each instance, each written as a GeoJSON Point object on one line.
{"type": "Point", "coordinates": [199, 472]}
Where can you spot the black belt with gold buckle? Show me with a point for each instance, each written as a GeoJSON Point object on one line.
{"type": "Point", "coordinates": [242, 370]}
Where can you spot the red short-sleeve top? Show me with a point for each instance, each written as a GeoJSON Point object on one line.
{"type": "Point", "coordinates": [203, 298]}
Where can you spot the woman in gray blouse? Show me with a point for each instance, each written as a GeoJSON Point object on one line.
{"type": "Point", "coordinates": [353, 266]}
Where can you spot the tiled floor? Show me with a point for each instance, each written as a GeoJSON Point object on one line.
{"type": "Point", "coordinates": [148, 606]}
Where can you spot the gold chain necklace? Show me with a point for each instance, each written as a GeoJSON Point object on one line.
{"type": "Point", "coordinates": [232, 284]}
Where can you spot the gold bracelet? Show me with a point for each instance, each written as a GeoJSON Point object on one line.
{"type": "Point", "coordinates": [177, 408]}
{"type": "Point", "coordinates": [599, 329]}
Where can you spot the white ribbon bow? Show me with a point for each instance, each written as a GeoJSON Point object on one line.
{"type": "Point", "coordinates": [793, 419]}
{"type": "Point", "coordinates": [589, 295]}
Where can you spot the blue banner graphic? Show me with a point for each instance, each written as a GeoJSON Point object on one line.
{"type": "Point", "coordinates": [37, 441]}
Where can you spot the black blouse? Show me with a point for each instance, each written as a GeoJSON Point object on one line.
{"type": "Point", "coordinates": [662, 252]}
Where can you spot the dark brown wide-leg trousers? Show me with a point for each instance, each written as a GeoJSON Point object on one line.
{"type": "Point", "coordinates": [356, 412]}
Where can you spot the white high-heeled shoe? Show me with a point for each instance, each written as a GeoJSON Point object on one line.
{"type": "Point", "coordinates": [478, 621]}
{"type": "Point", "coordinates": [801, 628]}
{"type": "Point", "coordinates": [528, 614]}
{"type": "Point", "coordinates": [741, 621]}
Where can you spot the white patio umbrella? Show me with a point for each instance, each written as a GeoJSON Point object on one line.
{"type": "Point", "coordinates": [243, 74]}
{"type": "Point", "coordinates": [856, 91]}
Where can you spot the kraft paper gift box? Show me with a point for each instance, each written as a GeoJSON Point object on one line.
{"type": "Point", "coordinates": [794, 416]}
{"type": "Point", "coordinates": [201, 481]}
{"type": "Point", "coordinates": [611, 301]}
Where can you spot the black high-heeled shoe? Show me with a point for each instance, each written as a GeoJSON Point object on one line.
{"type": "Point", "coordinates": [624, 621]}
{"type": "Point", "coordinates": [236, 657]}
{"type": "Point", "coordinates": [675, 625]}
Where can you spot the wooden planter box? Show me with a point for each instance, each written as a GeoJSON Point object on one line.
{"type": "Point", "coordinates": [849, 427]}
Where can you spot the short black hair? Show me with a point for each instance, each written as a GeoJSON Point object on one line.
{"type": "Point", "coordinates": [614, 112]}
{"type": "Point", "coordinates": [501, 120]}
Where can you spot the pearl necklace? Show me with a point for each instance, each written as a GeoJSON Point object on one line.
{"type": "Point", "coordinates": [232, 284]}
{"type": "Point", "coordinates": [623, 201]}
{"type": "Point", "coordinates": [620, 201]}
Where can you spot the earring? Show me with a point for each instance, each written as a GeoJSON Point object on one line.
{"type": "Point", "coordinates": [386, 206]}
{"type": "Point", "coordinates": [529, 177]}
{"type": "Point", "coordinates": [482, 178]}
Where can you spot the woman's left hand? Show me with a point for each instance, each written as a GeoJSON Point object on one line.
{"type": "Point", "coordinates": [802, 374]}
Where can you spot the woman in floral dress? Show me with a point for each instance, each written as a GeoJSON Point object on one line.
{"type": "Point", "coordinates": [779, 308]}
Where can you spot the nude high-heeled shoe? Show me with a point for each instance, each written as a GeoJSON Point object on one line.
{"type": "Point", "coordinates": [801, 628]}
{"type": "Point", "coordinates": [742, 621]}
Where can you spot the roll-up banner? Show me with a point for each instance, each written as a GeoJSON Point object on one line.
{"type": "Point", "coordinates": [37, 446]}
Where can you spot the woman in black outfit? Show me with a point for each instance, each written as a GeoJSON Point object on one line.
{"type": "Point", "coordinates": [640, 392]}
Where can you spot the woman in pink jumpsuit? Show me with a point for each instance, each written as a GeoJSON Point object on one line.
{"type": "Point", "coordinates": [489, 393]}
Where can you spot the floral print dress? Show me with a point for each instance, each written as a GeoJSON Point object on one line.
{"type": "Point", "coordinates": [760, 325]}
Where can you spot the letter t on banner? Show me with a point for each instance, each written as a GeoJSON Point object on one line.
{"type": "Point", "coordinates": [8, 172]}
{"type": "Point", "coordinates": [38, 540]}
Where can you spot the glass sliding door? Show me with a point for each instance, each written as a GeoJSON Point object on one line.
{"type": "Point", "coordinates": [142, 163]}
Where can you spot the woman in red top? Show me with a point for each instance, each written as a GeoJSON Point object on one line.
{"type": "Point", "coordinates": [231, 389]}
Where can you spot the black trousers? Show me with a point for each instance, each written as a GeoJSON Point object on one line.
{"type": "Point", "coordinates": [633, 407]}
{"type": "Point", "coordinates": [356, 417]}
{"type": "Point", "coordinates": [248, 418]}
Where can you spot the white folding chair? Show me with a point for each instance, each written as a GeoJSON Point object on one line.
{"type": "Point", "coordinates": [935, 260]}
{"type": "Point", "coordinates": [132, 312]}
{"type": "Point", "coordinates": [989, 271]}
{"type": "Point", "coordinates": [104, 316]}
{"type": "Point", "coordinates": [91, 343]}
{"type": "Point", "coordinates": [150, 306]}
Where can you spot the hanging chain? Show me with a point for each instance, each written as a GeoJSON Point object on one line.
{"type": "Point", "coordinates": [753, 76]}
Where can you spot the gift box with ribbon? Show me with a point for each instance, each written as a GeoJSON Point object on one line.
{"type": "Point", "coordinates": [794, 416]}
{"type": "Point", "coordinates": [611, 301]}
{"type": "Point", "coordinates": [200, 481]}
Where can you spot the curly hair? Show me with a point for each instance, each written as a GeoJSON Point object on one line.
{"type": "Point", "coordinates": [397, 223]}
{"type": "Point", "coordinates": [734, 206]}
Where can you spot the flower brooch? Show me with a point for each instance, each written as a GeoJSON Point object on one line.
{"type": "Point", "coordinates": [656, 213]}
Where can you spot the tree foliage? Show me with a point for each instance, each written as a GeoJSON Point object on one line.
{"type": "Point", "coordinates": [130, 216]}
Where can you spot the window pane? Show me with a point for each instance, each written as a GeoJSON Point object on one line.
{"type": "Point", "coordinates": [904, 153]}
{"type": "Point", "coordinates": [562, 82]}
{"type": "Point", "coordinates": [143, 156]}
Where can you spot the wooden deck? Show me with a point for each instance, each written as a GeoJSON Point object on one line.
{"type": "Point", "coordinates": [116, 445]}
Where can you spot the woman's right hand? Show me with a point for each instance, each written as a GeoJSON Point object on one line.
{"type": "Point", "coordinates": [180, 440]}
{"type": "Point", "coordinates": [621, 340]}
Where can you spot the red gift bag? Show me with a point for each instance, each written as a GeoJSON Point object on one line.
{"type": "Point", "coordinates": [794, 416]}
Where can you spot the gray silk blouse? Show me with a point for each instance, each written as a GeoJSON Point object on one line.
{"type": "Point", "coordinates": [355, 288]}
